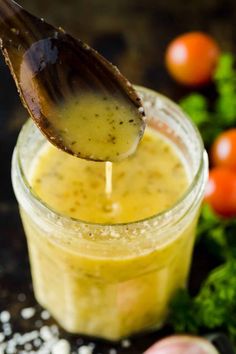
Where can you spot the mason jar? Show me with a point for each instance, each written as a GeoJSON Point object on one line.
{"type": "Point", "coordinates": [113, 280]}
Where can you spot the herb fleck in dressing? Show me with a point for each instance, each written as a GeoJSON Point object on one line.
{"type": "Point", "coordinates": [145, 184]}
{"type": "Point", "coordinates": [101, 128]}
{"type": "Point", "coordinates": [126, 290]}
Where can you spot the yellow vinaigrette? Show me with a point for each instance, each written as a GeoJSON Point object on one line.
{"type": "Point", "coordinates": [99, 128]}
{"type": "Point", "coordinates": [148, 182]}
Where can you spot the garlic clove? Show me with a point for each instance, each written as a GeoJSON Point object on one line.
{"type": "Point", "coordinates": [182, 344]}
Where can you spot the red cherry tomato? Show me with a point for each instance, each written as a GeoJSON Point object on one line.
{"type": "Point", "coordinates": [182, 344]}
{"type": "Point", "coordinates": [221, 191]}
{"type": "Point", "coordinates": [223, 152]}
{"type": "Point", "coordinates": [191, 58]}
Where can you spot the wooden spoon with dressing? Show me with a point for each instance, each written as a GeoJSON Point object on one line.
{"type": "Point", "coordinates": [77, 98]}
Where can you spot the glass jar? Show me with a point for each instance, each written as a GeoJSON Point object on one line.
{"type": "Point", "coordinates": [74, 276]}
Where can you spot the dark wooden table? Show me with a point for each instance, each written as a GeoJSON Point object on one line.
{"type": "Point", "coordinates": [133, 34]}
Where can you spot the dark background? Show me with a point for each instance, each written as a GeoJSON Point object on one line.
{"type": "Point", "coordinates": [133, 35]}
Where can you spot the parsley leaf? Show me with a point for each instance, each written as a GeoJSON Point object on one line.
{"type": "Point", "coordinates": [225, 80]}
{"type": "Point", "coordinates": [214, 307]}
{"type": "Point", "coordinates": [217, 234]}
{"type": "Point", "coordinates": [196, 106]}
{"type": "Point", "coordinates": [211, 121]}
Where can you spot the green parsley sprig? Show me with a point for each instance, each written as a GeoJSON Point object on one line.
{"type": "Point", "coordinates": [212, 120]}
{"type": "Point", "coordinates": [214, 307]}
{"type": "Point", "coordinates": [217, 234]}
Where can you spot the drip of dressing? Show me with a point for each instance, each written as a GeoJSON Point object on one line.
{"type": "Point", "coordinates": [108, 179]}
{"type": "Point", "coordinates": [109, 206]}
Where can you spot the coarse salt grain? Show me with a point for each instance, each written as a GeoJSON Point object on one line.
{"type": "Point", "coordinates": [16, 336]}
{"type": "Point", "coordinates": [27, 313]}
{"type": "Point", "coordinates": [7, 329]}
{"type": "Point", "coordinates": [5, 316]}
{"type": "Point", "coordinates": [10, 350]}
{"type": "Point", "coordinates": [45, 315]}
{"type": "Point", "coordinates": [6, 326]}
{"type": "Point", "coordinates": [28, 346]}
{"type": "Point", "coordinates": [141, 109]}
{"type": "Point", "coordinates": [91, 345]}
{"type": "Point", "coordinates": [37, 342]}
{"type": "Point", "coordinates": [27, 337]}
{"type": "Point", "coordinates": [11, 344]}
{"type": "Point", "coordinates": [61, 347]}
{"type": "Point", "coordinates": [2, 348]}
{"type": "Point", "coordinates": [85, 349]}
{"type": "Point", "coordinates": [112, 351]}
{"type": "Point", "coordinates": [45, 340]}
{"type": "Point", "coordinates": [8, 332]}
{"type": "Point", "coordinates": [21, 297]}
{"type": "Point", "coordinates": [38, 323]}
{"type": "Point", "coordinates": [54, 330]}
{"type": "Point", "coordinates": [45, 333]}
{"type": "Point", "coordinates": [125, 343]}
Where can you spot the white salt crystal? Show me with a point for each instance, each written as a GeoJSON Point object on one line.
{"type": "Point", "coordinates": [112, 351]}
{"type": "Point", "coordinates": [28, 346]}
{"type": "Point", "coordinates": [28, 313]}
{"type": "Point", "coordinates": [2, 348]}
{"type": "Point", "coordinates": [45, 333]}
{"type": "Point", "coordinates": [85, 349]}
{"type": "Point", "coordinates": [141, 110]}
{"type": "Point", "coordinates": [38, 323]}
{"type": "Point", "coordinates": [10, 350]}
{"type": "Point", "coordinates": [61, 347]}
{"type": "Point", "coordinates": [5, 316]}
{"type": "Point", "coordinates": [21, 297]}
{"type": "Point", "coordinates": [45, 315]}
{"type": "Point", "coordinates": [54, 330]}
{"type": "Point", "coordinates": [125, 343]}
{"type": "Point", "coordinates": [37, 342]}
{"type": "Point", "coordinates": [7, 329]}
{"type": "Point", "coordinates": [16, 336]}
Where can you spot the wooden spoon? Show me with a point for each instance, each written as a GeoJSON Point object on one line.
{"type": "Point", "coordinates": [77, 98]}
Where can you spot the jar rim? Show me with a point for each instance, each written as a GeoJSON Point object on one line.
{"type": "Point", "coordinates": [175, 207]}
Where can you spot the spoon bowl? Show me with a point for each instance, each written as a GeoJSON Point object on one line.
{"type": "Point", "coordinates": [78, 99]}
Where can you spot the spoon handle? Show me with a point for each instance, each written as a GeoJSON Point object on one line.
{"type": "Point", "coordinates": [19, 26]}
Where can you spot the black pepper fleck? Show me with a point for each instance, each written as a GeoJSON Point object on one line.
{"type": "Point", "coordinates": [111, 139]}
